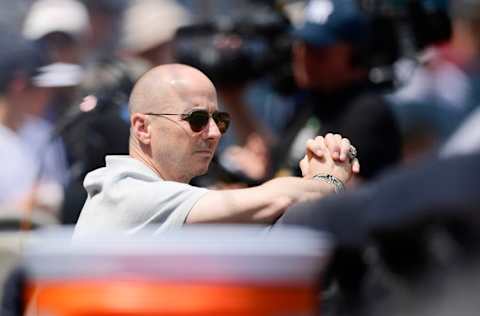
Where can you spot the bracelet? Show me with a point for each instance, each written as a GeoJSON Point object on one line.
{"type": "Point", "coordinates": [328, 178]}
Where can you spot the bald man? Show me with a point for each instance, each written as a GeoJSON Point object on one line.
{"type": "Point", "coordinates": [175, 129]}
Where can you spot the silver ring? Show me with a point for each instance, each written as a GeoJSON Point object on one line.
{"type": "Point", "coordinates": [352, 153]}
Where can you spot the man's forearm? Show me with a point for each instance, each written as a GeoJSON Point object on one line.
{"type": "Point", "coordinates": [262, 204]}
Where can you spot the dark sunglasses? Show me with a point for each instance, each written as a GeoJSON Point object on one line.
{"type": "Point", "coordinates": [198, 119]}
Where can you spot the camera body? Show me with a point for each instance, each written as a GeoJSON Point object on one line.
{"type": "Point", "coordinates": [421, 22]}
{"type": "Point", "coordinates": [237, 48]}
{"type": "Point", "coordinates": [257, 40]}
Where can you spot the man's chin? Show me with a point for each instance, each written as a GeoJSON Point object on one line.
{"type": "Point", "coordinates": [203, 170]}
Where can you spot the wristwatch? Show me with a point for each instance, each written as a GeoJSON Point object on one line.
{"type": "Point", "coordinates": [337, 183]}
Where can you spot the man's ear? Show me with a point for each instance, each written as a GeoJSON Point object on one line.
{"type": "Point", "coordinates": [141, 128]}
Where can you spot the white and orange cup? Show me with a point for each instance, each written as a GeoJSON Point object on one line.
{"type": "Point", "coordinates": [206, 270]}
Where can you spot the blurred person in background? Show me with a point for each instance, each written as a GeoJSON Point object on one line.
{"type": "Point", "coordinates": [92, 133]}
{"type": "Point", "coordinates": [34, 165]}
{"type": "Point", "coordinates": [100, 130]}
{"type": "Point", "coordinates": [60, 28]}
{"type": "Point", "coordinates": [330, 67]}
{"type": "Point", "coordinates": [443, 90]}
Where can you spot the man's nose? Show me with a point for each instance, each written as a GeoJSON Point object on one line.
{"type": "Point", "coordinates": [213, 131]}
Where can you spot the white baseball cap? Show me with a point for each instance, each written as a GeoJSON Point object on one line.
{"type": "Point", "coordinates": [148, 23]}
{"type": "Point", "coordinates": [48, 16]}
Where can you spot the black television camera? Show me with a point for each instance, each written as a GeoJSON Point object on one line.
{"type": "Point", "coordinates": [256, 41]}
{"type": "Point", "coordinates": [236, 48]}
{"type": "Point", "coordinates": [419, 22]}
{"type": "Point", "coordinates": [402, 29]}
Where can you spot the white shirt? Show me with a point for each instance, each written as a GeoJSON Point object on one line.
{"type": "Point", "coordinates": [128, 196]}
{"type": "Point", "coordinates": [18, 169]}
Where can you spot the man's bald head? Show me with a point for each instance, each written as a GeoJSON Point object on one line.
{"type": "Point", "coordinates": [159, 88]}
{"type": "Point", "coordinates": [159, 135]}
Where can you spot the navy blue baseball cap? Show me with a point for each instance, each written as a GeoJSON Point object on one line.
{"type": "Point", "coordinates": [19, 55]}
{"type": "Point", "coordinates": [329, 21]}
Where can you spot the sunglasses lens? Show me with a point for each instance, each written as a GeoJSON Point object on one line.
{"type": "Point", "coordinates": [222, 119]}
{"type": "Point", "coordinates": [198, 120]}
